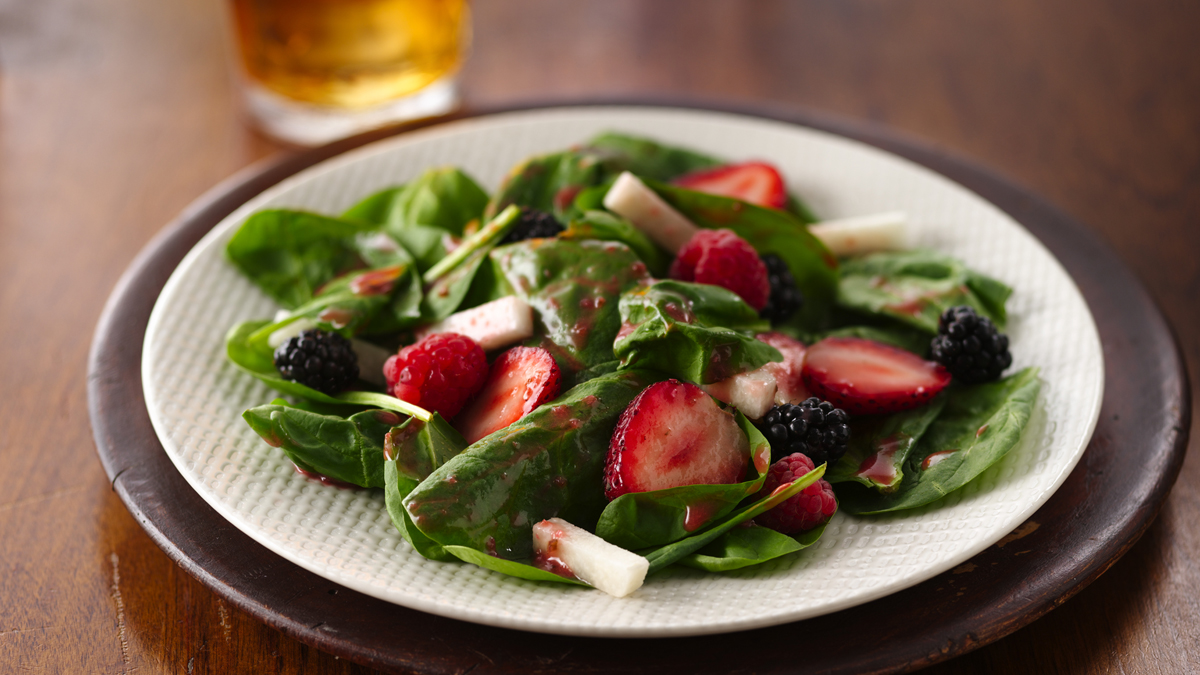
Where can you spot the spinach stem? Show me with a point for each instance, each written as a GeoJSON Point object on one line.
{"type": "Point", "coordinates": [386, 402]}
{"type": "Point", "coordinates": [487, 236]}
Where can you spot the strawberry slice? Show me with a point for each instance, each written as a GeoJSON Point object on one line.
{"type": "Point", "coordinates": [754, 182]}
{"type": "Point", "coordinates": [864, 377]}
{"type": "Point", "coordinates": [674, 434]}
{"type": "Point", "coordinates": [520, 380]}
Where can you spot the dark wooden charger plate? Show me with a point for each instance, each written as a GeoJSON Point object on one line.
{"type": "Point", "coordinates": [1105, 505]}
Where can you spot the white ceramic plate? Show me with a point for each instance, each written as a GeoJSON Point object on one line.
{"type": "Point", "coordinates": [195, 397]}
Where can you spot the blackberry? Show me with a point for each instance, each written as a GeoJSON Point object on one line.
{"type": "Point", "coordinates": [319, 359]}
{"type": "Point", "coordinates": [533, 224]}
{"type": "Point", "coordinates": [970, 346]}
{"type": "Point", "coordinates": [785, 299]}
{"type": "Point", "coordinates": [814, 428]}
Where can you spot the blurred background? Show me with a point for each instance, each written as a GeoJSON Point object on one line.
{"type": "Point", "coordinates": [116, 114]}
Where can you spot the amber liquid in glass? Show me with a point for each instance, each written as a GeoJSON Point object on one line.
{"type": "Point", "coordinates": [349, 53]}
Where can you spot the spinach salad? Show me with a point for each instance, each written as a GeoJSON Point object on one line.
{"type": "Point", "coordinates": [641, 326]}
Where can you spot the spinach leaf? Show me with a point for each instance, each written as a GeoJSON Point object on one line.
{"type": "Point", "coordinates": [290, 254]}
{"type": "Point", "coordinates": [550, 463]}
{"type": "Point", "coordinates": [647, 158]}
{"type": "Point", "coordinates": [606, 226]}
{"type": "Point", "coordinates": [450, 279]}
{"type": "Point", "coordinates": [880, 444]}
{"type": "Point", "coordinates": [915, 287]}
{"type": "Point", "coordinates": [411, 452]}
{"type": "Point", "coordinates": [573, 287]}
{"type": "Point", "coordinates": [746, 546]}
{"type": "Point", "coordinates": [643, 519]}
{"type": "Point", "coordinates": [549, 182]}
{"type": "Point", "coordinates": [650, 159]}
{"type": "Point", "coordinates": [665, 556]}
{"type": "Point", "coordinates": [374, 208]}
{"type": "Point", "coordinates": [418, 447]}
{"type": "Point", "coordinates": [977, 428]}
{"type": "Point", "coordinates": [696, 332]}
{"type": "Point", "coordinates": [444, 198]}
{"type": "Point", "coordinates": [346, 449]}
{"type": "Point", "coordinates": [510, 567]}
{"type": "Point", "coordinates": [768, 231]}
{"type": "Point", "coordinates": [395, 489]}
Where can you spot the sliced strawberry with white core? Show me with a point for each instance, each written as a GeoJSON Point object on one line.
{"type": "Point", "coordinates": [754, 182]}
{"type": "Point", "coordinates": [674, 434]}
{"type": "Point", "coordinates": [520, 380]}
{"type": "Point", "coordinates": [493, 324]}
{"type": "Point", "coordinates": [630, 198]}
{"type": "Point", "coordinates": [789, 380]}
{"type": "Point", "coordinates": [563, 548]}
{"type": "Point", "coordinates": [864, 377]}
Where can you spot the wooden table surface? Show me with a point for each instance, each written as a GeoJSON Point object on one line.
{"type": "Point", "coordinates": [115, 114]}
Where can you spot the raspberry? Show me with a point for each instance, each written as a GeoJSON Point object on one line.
{"type": "Point", "coordinates": [813, 506]}
{"type": "Point", "coordinates": [785, 299]}
{"type": "Point", "coordinates": [721, 258]}
{"type": "Point", "coordinates": [439, 373]}
{"type": "Point", "coordinates": [533, 224]}
{"type": "Point", "coordinates": [318, 359]}
{"type": "Point", "coordinates": [814, 428]}
{"type": "Point", "coordinates": [970, 346]}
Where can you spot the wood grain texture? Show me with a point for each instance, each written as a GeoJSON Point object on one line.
{"type": "Point", "coordinates": [115, 114]}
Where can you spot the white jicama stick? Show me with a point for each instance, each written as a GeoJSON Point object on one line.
{"type": "Point", "coordinates": [494, 324]}
{"type": "Point", "coordinates": [289, 331]}
{"type": "Point", "coordinates": [863, 234]}
{"type": "Point", "coordinates": [629, 197]}
{"type": "Point", "coordinates": [370, 361]}
{"type": "Point", "coordinates": [753, 392]}
{"type": "Point", "coordinates": [592, 560]}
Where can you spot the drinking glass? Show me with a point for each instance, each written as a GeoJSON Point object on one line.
{"type": "Point", "coordinates": [312, 71]}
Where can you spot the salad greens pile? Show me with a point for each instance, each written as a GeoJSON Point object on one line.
{"type": "Point", "coordinates": [411, 255]}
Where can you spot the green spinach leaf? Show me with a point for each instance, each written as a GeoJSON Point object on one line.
{"type": "Point", "coordinates": [346, 449]}
{"type": "Point", "coordinates": [747, 546]}
{"type": "Point", "coordinates": [647, 158]}
{"type": "Point", "coordinates": [606, 226]}
{"type": "Point", "coordinates": [976, 429]}
{"type": "Point", "coordinates": [291, 254]}
{"type": "Point", "coordinates": [665, 556]}
{"type": "Point", "coordinates": [695, 332]}
{"type": "Point", "coordinates": [550, 463]}
{"type": "Point", "coordinates": [446, 199]}
{"type": "Point", "coordinates": [374, 208]}
{"type": "Point", "coordinates": [549, 182]}
{"type": "Point", "coordinates": [512, 568]}
{"type": "Point", "coordinates": [449, 281]}
{"type": "Point", "coordinates": [915, 287]}
{"type": "Point", "coordinates": [411, 452]}
{"type": "Point", "coordinates": [573, 287]}
{"type": "Point", "coordinates": [880, 445]}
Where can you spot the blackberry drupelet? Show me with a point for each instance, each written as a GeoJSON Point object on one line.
{"type": "Point", "coordinates": [970, 346]}
{"type": "Point", "coordinates": [533, 224]}
{"type": "Point", "coordinates": [785, 299]}
{"type": "Point", "coordinates": [814, 428]}
{"type": "Point", "coordinates": [319, 359]}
